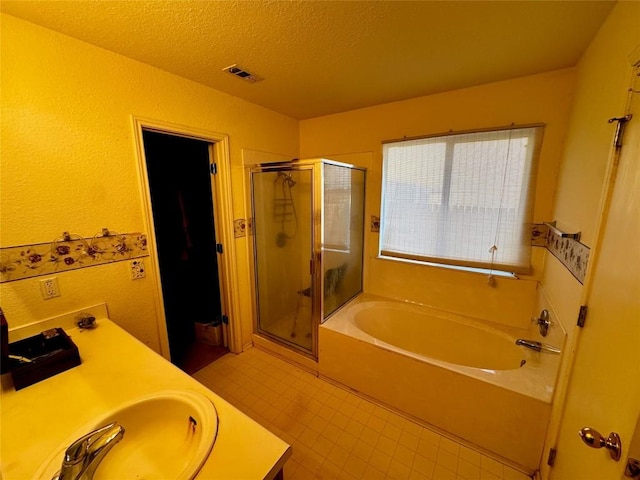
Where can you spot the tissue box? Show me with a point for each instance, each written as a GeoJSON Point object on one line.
{"type": "Point", "coordinates": [50, 352]}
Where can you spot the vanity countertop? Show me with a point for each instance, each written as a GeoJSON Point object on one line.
{"type": "Point", "coordinates": [117, 368]}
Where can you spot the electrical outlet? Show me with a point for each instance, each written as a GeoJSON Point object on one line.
{"type": "Point", "coordinates": [49, 288]}
{"type": "Point", "coordinates": [137, 269]}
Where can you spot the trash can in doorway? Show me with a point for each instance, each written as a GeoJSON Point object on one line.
{"type": "Point", "coordinates": [209, 333]}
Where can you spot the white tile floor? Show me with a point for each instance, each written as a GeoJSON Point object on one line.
{"type": "Point", "coordinates": [336, 434]}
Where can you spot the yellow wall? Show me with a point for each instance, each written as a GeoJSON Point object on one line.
{"type": "Point", "coordinates": [541, 98]}
{"type": "Point", "coordinates": [69, 163]}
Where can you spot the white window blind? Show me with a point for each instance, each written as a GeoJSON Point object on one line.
{"type": "Point", "coordinates": [461, 199]}
{"type": "Point", "coordinates": [337, 207]}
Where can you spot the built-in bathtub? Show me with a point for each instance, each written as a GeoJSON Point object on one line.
{"type": "Point", "coordinates": [463, 376]}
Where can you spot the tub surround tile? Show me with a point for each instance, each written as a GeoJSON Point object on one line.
{"type": "Point", "coordinates": [370, 442]}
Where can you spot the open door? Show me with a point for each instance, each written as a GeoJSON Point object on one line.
{"type": "Point", "coordinates": [604, 390]}
{"type": "Point", "coordinates": [178, 172]}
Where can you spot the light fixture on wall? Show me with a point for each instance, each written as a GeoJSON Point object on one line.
{"type": "Point", "coordinates": [242, 73]}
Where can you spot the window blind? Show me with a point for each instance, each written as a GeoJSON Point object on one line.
{"type": "Point", "coordinates": [461, 199]}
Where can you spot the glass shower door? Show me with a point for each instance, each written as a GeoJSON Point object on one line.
{"type": "Point", "coordinates": [342, 235]}
{"type": "Point", "coordinates": [282, 206]}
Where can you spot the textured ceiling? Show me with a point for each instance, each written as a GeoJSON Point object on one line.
{"type": "Point", "coordinates": [323, 57]}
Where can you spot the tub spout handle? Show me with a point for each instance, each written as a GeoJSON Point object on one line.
{"type": "Point", "coordinates": [537, 346]}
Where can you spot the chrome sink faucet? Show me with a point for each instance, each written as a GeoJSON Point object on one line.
{"type": "Point", "coordinates": [82, 457]}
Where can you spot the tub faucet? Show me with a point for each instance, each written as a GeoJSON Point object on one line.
{"type": "Point", "coordinates": [537, 346]}
{"type": "Point", "coordinates": [82, 457]}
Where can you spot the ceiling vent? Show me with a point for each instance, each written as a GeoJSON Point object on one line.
{"type": "Point", "coordinates": [242, 73]}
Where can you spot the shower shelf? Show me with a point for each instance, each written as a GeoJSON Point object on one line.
{"type": "Point", "coordinates": [560, 233]}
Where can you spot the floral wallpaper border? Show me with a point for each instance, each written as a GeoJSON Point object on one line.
{"type": "Point", "coordinates": [571, 253]}
{"type": "Point", "coordinates": [69, 253]}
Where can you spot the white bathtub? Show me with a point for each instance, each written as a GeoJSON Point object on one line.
{"type": "Point", "coordinates": [464, 376]}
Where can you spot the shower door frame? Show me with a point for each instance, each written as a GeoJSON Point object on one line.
{"type": "Point", "coordinates": [317, 280]}
{"type": "Point", "coordinates": [313, 264]}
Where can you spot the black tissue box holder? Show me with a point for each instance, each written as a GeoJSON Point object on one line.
{"type": "Point", "coordinates": [50, 352]}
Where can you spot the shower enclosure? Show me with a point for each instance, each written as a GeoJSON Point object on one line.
{"type": "Point", "coordinates": [308, 223]}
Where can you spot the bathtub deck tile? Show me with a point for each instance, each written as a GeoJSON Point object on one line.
{"type": "Point", "coordinates": [337, 435]}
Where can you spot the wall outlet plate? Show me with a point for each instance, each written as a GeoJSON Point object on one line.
{"type": "Point", "coordinates": [49, 288]}
{"type": "Point", "coordinates": [137, 269]}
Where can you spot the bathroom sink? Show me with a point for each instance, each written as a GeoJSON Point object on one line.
{"type": "Point", "coordinates": [167, 435]}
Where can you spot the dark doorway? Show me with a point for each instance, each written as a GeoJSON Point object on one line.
{"type": "Point", "coordinates": [178, 171]}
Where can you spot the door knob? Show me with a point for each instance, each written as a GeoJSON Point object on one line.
{"type": "Point", "coordinates": [593, 438]}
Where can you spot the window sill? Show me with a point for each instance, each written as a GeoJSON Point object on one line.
{"type": "Point", "coordinates": [481, 271]}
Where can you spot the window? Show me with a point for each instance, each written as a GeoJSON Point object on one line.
{"type": "Point", "coordinates": [461, 199]}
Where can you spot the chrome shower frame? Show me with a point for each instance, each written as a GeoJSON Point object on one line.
{"type": "Point", "coordinates": [315, 262]}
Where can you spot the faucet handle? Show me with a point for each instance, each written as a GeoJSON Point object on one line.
{"type": "Point", "coordinates": [78, 450]}
{"type": "Point", "coordinates": [543, 322]}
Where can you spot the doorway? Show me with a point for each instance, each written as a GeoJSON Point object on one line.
{"type": "Point", "coordinates": [182, 204]}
